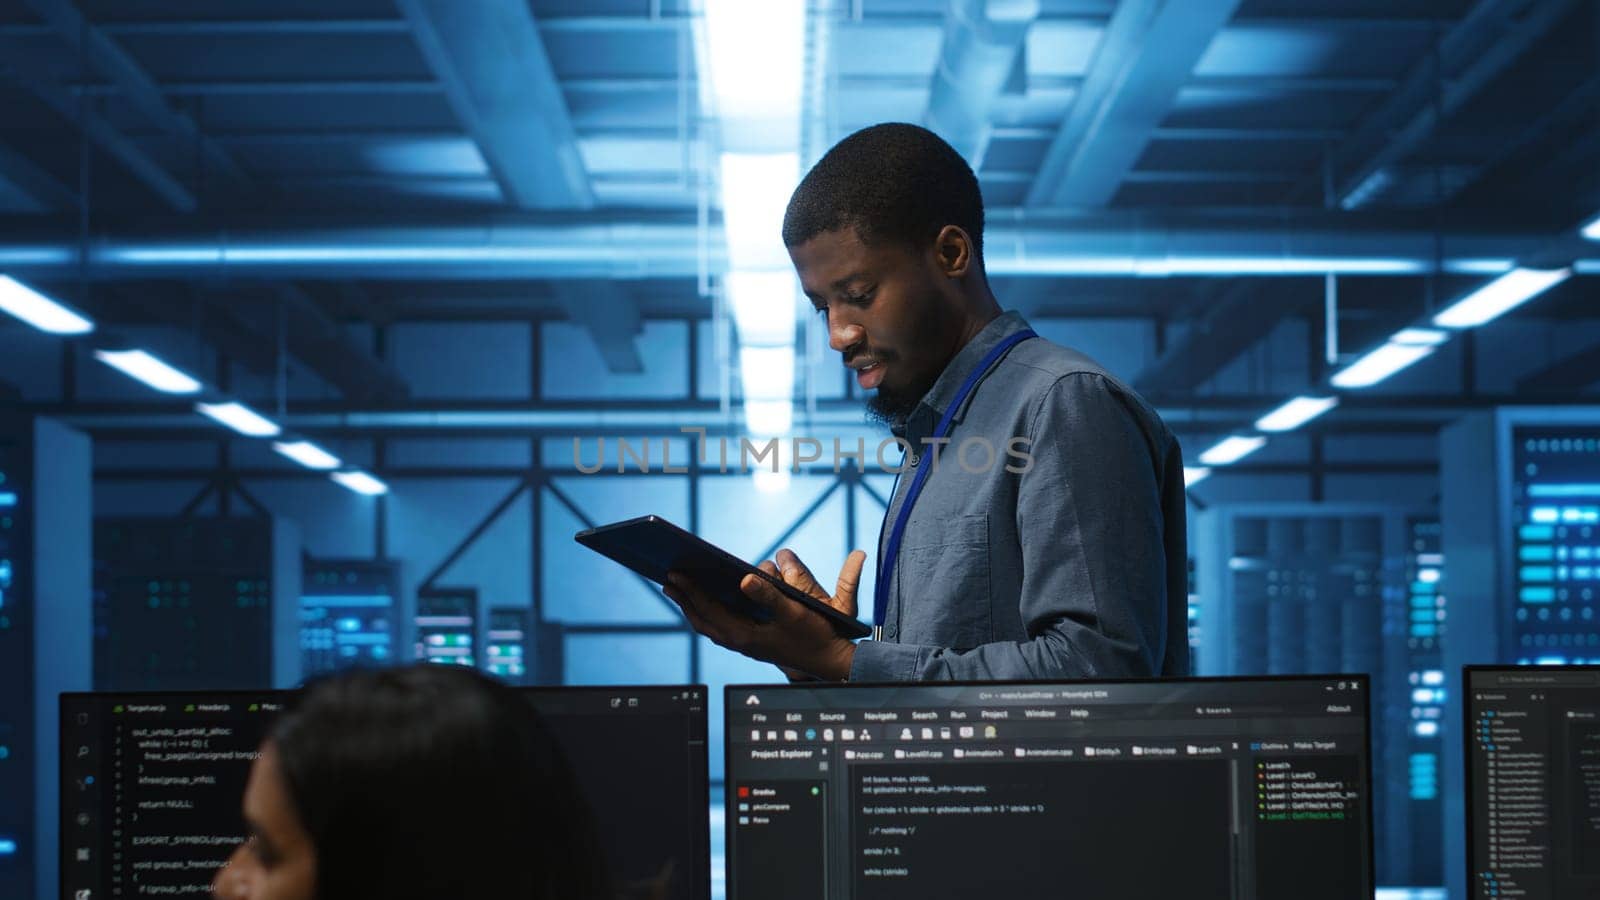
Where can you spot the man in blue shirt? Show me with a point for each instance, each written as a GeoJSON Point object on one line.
{"type": "Point", "coordinates": [1047, 537]}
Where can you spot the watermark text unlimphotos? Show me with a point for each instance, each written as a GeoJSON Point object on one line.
{"type": "Point", "coordinates": [975, 455]}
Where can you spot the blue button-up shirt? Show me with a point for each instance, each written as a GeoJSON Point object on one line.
{"type": "Point", "coordinates": [1075, 566]}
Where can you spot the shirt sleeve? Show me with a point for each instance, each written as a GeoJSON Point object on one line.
{"type": "Point", "coordinates": [1089, 517]}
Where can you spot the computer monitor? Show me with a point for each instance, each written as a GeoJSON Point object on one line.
{"type": "Point", "coordinates": [1214, 788]}
{"type": "Point", "coordinates": [1533, 781]}
{"type": "Point", "coordinates": [151, 784]}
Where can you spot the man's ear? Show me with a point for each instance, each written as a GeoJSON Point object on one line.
{"type": "Point", "coordinates": [953, 251]}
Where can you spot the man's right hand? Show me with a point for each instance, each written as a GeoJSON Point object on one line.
{"type": "Point", "coordinates": [795, 574]}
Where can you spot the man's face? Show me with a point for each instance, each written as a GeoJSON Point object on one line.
{"type": "Point", "coordinates": [892, 314]}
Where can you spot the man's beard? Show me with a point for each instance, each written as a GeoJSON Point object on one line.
{"type": "Point", "coordinates": [891, 407]}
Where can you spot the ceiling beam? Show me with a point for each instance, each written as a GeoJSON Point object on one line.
{"type": "Point", "coordinates": [115, 64]}
{"type": "Point", "coordinates": [318, 341]}
{"type": "Point", "coordinates": [35, 182]}
{"type": "Point", "coordinates": [491, 60]}
{"type": "Point", "coordinates": [1108, 244]}
{"type": "Point", "coordinates": [96, 128]}
{"type": "Point", "coordinates": [981, 58]}
{"type": "Point", "coordinates": [1492, 36]}
{"type": "Point", "coordinates": [1235, 318]}
{"type": "Point", "coordinates": [1401, 413]}
{"type": "Point", "coordinates": [1147, 54]}
{"type": "Point", "coordinates": [1567, 375]}
{"type": "Point", "coordinates": [611, 318]}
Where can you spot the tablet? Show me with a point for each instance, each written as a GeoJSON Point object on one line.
{"type": "Point", "coordinates": [652, 546]}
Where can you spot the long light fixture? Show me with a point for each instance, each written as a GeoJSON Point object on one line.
{"type": "Point", "coordinates": [1230, 450]}
{"type": "Point", "coordinates": [756, 67]}
{"type": "Point", "coordinates": [1499, 297]}
{"type": "Point", "coordinates": [1193, 475]}
{"type": "Point", "coordinates": [240, 418]}
{"type": "Point", "coordinates": [145, 368]}
{"type": "Point", "coordinates": [767, 377]}
{"type": "Point", "coordinates": [755, 193]}
{"type": "Point", "coordinates": [1407, 347]}
{"type": "Point", "coordinates": [753, 60]}
{"type": "Point", "coordinates": [1295, 413]}
{"type": "Point", "coordinates": [307, 454]}
{"type": "Point", "coordinates": [1592, 230]}
{"type": "Point", "coordinates": [38, 310]}
{"type": "Point", "coordinates": [764, 305]}
{"type": "Point", "coordinates": [360, 482]}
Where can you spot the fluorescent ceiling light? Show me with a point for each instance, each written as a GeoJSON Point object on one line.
{"type": "Point", "coordinates": [1499, 297]}
{"type": "Point", "coordinates": [757, 64]}
{"type": "Point", "coordinates": [1295, 413]}
{"type": "Point", "coordinates": [38, 310]}
{"type": "Point", "coordinates": [769, 418]}
{"type": "Point", "coordinates": [755, 193]}
{"type": "Point", "coordinates": [767, 373]}
{"type": "Point", "coordinates": [1592, 230]}
{"type": "Point", "coordinates": [361, 483]}
{"type": "Point", "coordinates": [1232, 449]}
{"type": "Point", "coordinates": [764, 305]}
{"type": "Point", "coordinates": [1407, 347]}
{"type": "Point", "coordinates": [1193, 475]}
{"type": "Point", "coordinates": [307, 454]}
{"type": "Point", "coordinates": [1425, 337]}
{"type": "Point", "coordinates": [141, 366]}
{"type": "Point", "coordinates": [240, 418]}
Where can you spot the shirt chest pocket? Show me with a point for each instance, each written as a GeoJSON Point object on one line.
{"type": "Point", "coordinates": [944, 582]}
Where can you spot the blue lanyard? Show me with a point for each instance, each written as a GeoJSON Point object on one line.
{"type": "Point", "coordinates": [886, 567]}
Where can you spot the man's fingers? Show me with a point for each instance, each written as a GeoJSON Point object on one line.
{"type": "Point", "coordinates": [763, 591]}
{"type": "Point", "coordinates": [844, 597]}
{"type": "Point", "coordinates": [797, 575]}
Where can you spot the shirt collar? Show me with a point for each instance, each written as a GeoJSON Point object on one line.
{"type": "Point", "coordinates": [924, 419]}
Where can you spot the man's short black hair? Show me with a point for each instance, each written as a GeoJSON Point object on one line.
{"type": "Point", "coordinates": [891, 182]}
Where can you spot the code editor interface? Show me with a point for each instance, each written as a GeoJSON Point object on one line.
{"type": "Point", "coordinates": [1248, 789]}
{"type": "Point", "coordinates": [152, 784]}
{"type": "Point", "coordinates": [1533, 781]}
